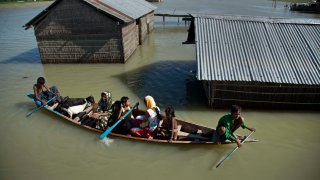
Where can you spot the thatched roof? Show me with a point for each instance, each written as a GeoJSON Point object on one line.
{"type": "Point", "coordinates": [122, 10]}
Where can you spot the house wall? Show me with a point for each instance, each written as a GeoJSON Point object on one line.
{"type": "Point", "coordinates": [130, 39]}
{"type": "Point", "coordinates": [71, 35]}
{"type": "Point", "coordinates": [135, 33]}
{"type": "Point", "coordinates": [262, 95]}
{"type": "Point", "coordinates": [145, 26]}
{"type": "Point", "coordinates": [150, 22]}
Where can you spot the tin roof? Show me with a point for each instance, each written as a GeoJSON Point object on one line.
{"type": "Point", "coordinates": [123, 10]}
{"type": "Point", "coordinates": [133, 8]}
{"type": "Point", "coordinates": [257, 49]}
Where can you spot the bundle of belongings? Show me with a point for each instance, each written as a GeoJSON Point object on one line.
{"type": "Point", "coordinates": [86, 111]}
{"type": "Point", "coordinates": [71, 107]}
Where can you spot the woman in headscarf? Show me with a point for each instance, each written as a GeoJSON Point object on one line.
{"type": "Point", "coordinates": [105, 102]}
{"type": "Point", "coordinates": [104, 110]}
{"type": "Point", "coordinates": [148, 123]}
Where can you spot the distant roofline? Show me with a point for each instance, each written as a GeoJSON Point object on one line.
{"type": "Point", "coordinates": [278, 20]}
{"type": "Point", "coordinates": [123, 19]}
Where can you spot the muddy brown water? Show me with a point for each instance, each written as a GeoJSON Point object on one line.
{"type": "Point", "coordinates": [45, 147]}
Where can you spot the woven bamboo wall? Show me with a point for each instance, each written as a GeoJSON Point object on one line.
{"type": "Point", "coordinates": [150, 22]}
{"type": "Point", "coordinates": [146, 24]}
{"type": "Point", "coordinates": [73, 32]}
{"type": "Point", "coordinates": [130, 39]}
{"type": "Point", "coordinates": [262, 95]}
{"type": "Point", "coordinates": [143, 29]}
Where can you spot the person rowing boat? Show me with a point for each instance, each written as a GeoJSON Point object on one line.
{"type": "Point", "coordinates": [43, 93]}
{"type": "Point", "coordinates": [228, 124]}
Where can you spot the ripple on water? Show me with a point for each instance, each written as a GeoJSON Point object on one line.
{"type": "Point", "coordinates": [107, 141]}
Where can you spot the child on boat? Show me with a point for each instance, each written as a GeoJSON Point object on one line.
{"type": "Point", "coordinates": [43, 93]}
{"type": "Point", "coordinates": [170, 124]}
{"type": "Point", "coordinates": [144, 126]}
{"type": "Point", "coordinates": [116, 113]}
{"type": "Point", "coordinates": [125, 107]}
{"type": "Point", "coordinates": [228, 124]}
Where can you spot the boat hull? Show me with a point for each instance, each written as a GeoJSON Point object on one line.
{"type": "Point", "coordinates": [190, 133]}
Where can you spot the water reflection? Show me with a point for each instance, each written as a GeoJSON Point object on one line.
{"type": "Point", "coordinates": [169, 82]}
{"type": "Point", "coordinates": [31, 57]}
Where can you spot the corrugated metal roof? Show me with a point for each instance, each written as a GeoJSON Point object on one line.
{"type": "Point", "coordinates": [133, 8]}
{"type": "Point", "coordinates": [257, 49]}
{"type": "Point", "coordinates": [124, 10]}
{"type": "Point", "coordinates": [127, 10]}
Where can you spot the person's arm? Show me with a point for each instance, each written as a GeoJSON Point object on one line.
{"type": "Point", "coordinates": [104, 113]}
{"type": "Point", "coordinates": [48, 89]}
{"type": "Point", "coordinates": [97, 115]}
{"type": "Point", "coordinates": [119, 114]}
{"type": "Point", "coordinates": [231, 137]}
{"type": "Point", "coordinates": [249, 128]}
{"type": "Point", "coordinates": [237, 140]}
{"type": "Point", "coordinates": [145, 122]}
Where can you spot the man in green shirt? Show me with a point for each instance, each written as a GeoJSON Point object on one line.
{"type": "Point", "coordinates": [228, 124]}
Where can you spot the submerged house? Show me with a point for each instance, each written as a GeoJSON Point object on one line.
{"type": "Point", "coordinates": [92, 31]}
{"type": "Point", "coordinates": [257, 62]}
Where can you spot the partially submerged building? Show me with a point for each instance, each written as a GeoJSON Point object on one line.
{"type": "Point", "coordinates": [92, 31]}
{"type": "Point", "coordinates": [258, 62]}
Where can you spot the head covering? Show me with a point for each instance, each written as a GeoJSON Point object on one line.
{"type": "Point", "coordinates": [105, 106]}
{"type": "Point", "coordinates": [150, 103]}
{"type": "Point", "coordinates": [107, 94]}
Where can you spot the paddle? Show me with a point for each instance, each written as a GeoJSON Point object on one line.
{"type": "Point", "coordinates": [40, 107]}
{"type": "Point", "coordinates": [104, 134]}
{"type": "Point", "coordinates": [233, 150]}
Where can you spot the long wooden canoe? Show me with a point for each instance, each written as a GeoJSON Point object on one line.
{"type": "Point", "coordinates": [189, 133]}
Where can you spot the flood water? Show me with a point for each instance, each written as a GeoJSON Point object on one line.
{"type": "Point", "coordinates": [45, 147]}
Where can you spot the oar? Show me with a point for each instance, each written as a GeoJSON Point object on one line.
{"type": "Point", "coordinates": [233, 150]}
{"type": "Point", "coordinates": [104, 134]}
{"type": "Point", "coordinates": [40, 107]}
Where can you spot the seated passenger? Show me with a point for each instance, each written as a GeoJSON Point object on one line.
{"type": "Point", "coordinates": [115, 113]}
{"type": "Point", "coordinates": [125, 107]}
{"type": "Point", "coordinates": [103, 111]}
{"type": "Point", "coordinates": [144, 126]}
{"type": "Point", "coordinates": [105, 103]}
{"type": "Point", "coordinates": [169, 128]}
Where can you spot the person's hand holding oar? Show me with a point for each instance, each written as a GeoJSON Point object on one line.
{"type": "Point", "coordinates": [104, 134]}
{"type": "Point", "coordinates": [40, 106]}
{"type": "Point", "coordinates": [234, 149]}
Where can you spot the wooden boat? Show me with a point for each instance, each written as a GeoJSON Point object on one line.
{"type": "Point", "coordinates": [189, 133]}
